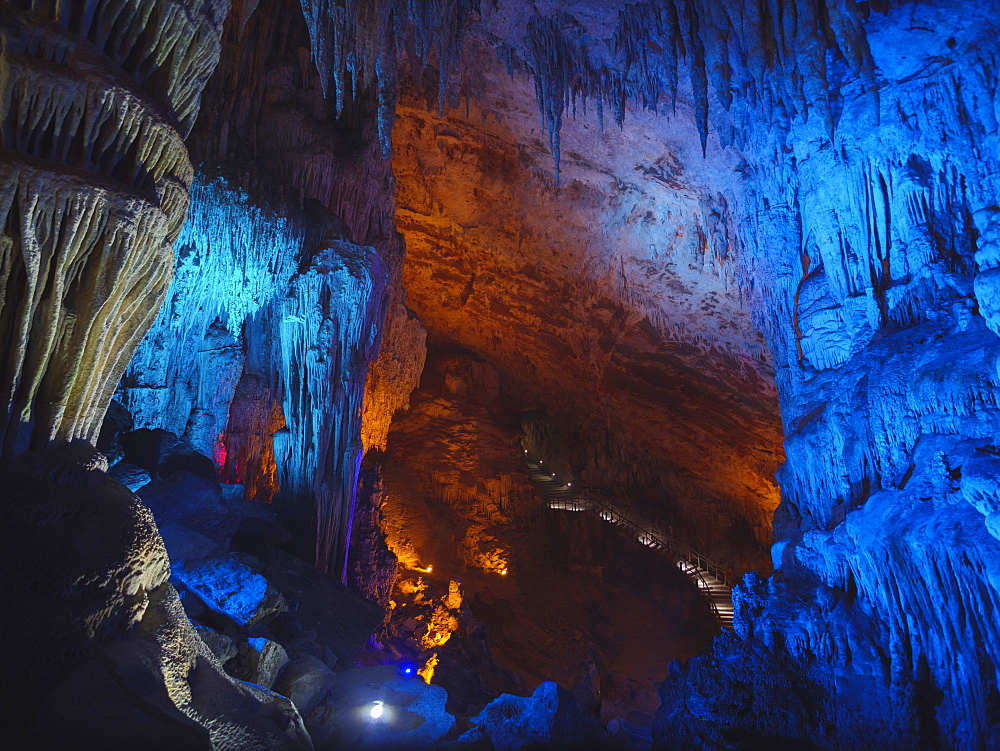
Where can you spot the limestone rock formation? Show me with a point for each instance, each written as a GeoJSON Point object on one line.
{"type": "Point", "coordinates": [102, 652]}
{"type": "Point", "coordinates": [283, 283]}
{"type": "Point", "coordinates": [865, 247]}
{"type": "Point", "coordinates": [110, 702]}
{"type": "Point", "coordinates": [96, 99]}
{"type": "Point", "coordinates": [611, 300]}
{"type": "Point", "coordinates": [306, 681]}
{"type": "Point", "coordinates": [798, 190]}
{"type": "Point", "coordinates": [80, 555]}
{"type": "Point", "coordinates": [549, 718]}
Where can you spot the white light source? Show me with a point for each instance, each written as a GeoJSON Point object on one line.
{"type": "Point", "coordinates": [376, 710]}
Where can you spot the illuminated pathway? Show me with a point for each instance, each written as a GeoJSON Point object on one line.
{"type": "Point", "coordinates": [711, 579]}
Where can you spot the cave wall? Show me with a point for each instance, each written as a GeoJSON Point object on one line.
{"type": "Point", "coordinates": [608, 300]}
{"type": "Point", "coordinates": [556, 592]}
{"type": "Point", "coordinates": [859, 203]}
{"type": "Point", "coordinates": [285, 272]}
{"type": "Point", "coordinates": [863, 192]}
{"type": "Point", "coordinates": [874, 286]}
{"type": "Point", "coordinates": [97, 97]}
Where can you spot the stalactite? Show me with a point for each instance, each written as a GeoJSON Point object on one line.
{"type": "Point", "coordinates": [888, 384]}
{"type": "Point", "coordinates": [94, 104]}
{"type": "Point", "coordinates": [773, 53]}
{"type": "Point", "coordinates": [355, 45]}
{"type": "Point", "coordinates": [328, 333]}
{"type": "Point", "coordinates": [234, 258]}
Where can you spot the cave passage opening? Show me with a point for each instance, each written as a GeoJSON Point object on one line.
{"type": "Point", "coordinates": [593, 326]}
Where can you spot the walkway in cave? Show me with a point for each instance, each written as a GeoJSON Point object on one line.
{"type": "Point", "coordinates": [711, 579]}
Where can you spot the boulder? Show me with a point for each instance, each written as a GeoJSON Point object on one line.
{"type": "Point", "coordinates": [221, 645]}
{"type": "Point", "coordinates": [184, 544]}
{"type": "Point", "coordinates": [162, 688]}
{"type": "Point", "coordinates": [193, 501]}
{"type": "Point", "coordinates": [306, 680]}
{"type": "Point", "coordinates": [230, 588]}
{"type": "Point", "coordinates": [79, 554]}
{"type": "Point", "coordinates": [182, 495]}
{"type": "Point", "coordinates": [129, 475]}
{"type": "Point", "coordinates": [162, 453]}
{"type": "Point", "coordinates": [549, 718]}
{"type": "Point", "coordinates": [193, 605]}
{"type": "Point", "coordinates": [259, 660]}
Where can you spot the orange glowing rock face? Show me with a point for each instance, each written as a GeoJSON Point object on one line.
{"type": "Point", "coordinates": [411, 587]}
{"type": "Point", "coordinates": [440, 628]}
{"type": "Point", "coordinates": [453, 601]}
{"type": "Point", "coordinates": [427, 671]}
{"type": "Point", "coordinates": [611, 302]}
{"type": "Point", "coordinates": [495, 561]}
{"type": "Point", "coordinates": [400, 529]}
{"type": "Point", "coordinates": [443, 623]}
{"type": "Point", "coordinates": [394, 374]}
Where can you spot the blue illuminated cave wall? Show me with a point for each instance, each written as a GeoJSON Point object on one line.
{"type": "Point", "coordinates": [235, 261]}
{"type": "Point", "coordinates": [867, 204]}
{"type": "Point", "coordinates": [872, 256]}
{"type": "Point", "coordinates": [260, 355]}
{"type": "Point", "coordinates": [287, 313]}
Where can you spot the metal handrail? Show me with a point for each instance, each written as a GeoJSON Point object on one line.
{"type": "Point", "coordinates": [707, 575]}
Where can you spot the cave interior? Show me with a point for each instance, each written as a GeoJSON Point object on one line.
{"type": "Point", "coordinates": [494, 374]}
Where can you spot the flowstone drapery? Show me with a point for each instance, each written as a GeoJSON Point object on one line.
{"type": "Point", "coordinates": [96, 98]}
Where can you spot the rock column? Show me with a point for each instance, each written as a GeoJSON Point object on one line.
{"type": "Point", "coordinates": [96, 98]}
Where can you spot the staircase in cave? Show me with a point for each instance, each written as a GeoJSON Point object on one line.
{"type": "Point", "coordinates": [712, 580]}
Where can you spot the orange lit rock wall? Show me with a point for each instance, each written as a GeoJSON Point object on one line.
{"type": "Point", "coordinates": [394, 374]}
{"type": "Point", "coordinates": [455, 484]}
{"type": "Point", "coordinates": [607, 301]}
{"type": "Point", "coordinates": [554, 589]}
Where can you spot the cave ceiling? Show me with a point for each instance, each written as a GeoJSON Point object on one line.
{"type": "Point", "coordinates": [608, 295]}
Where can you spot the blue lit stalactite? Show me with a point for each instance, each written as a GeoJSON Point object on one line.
{"type": "Point", "coordinates": [329, 332]}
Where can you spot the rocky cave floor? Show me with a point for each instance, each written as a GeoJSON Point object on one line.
{"type": "Point", "coordinates": [580, 605]}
